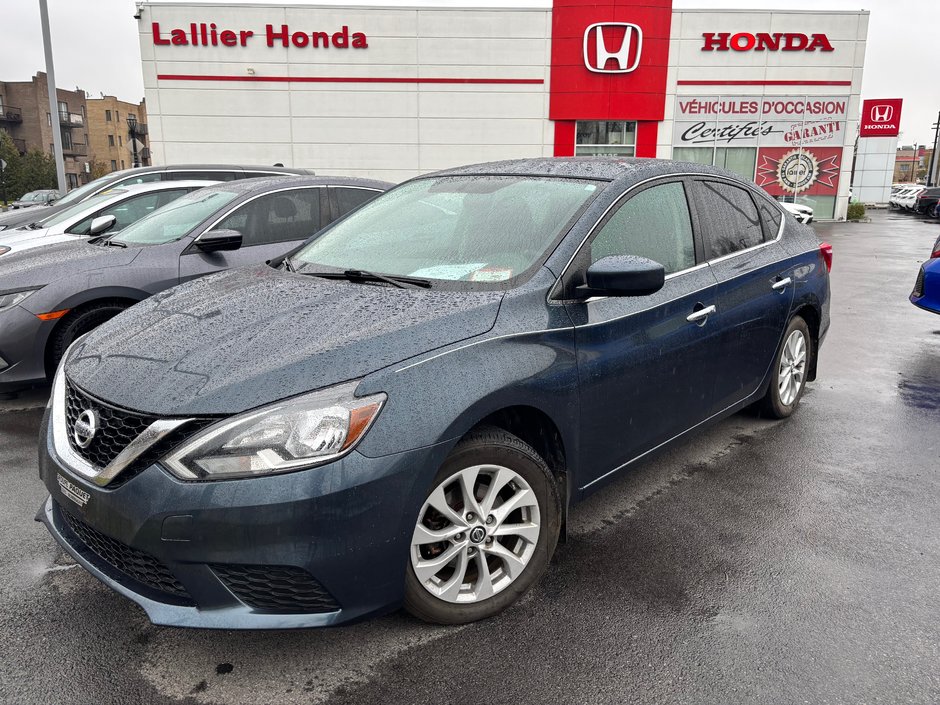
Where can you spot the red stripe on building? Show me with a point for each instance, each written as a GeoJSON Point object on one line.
{"type": "Point", "coordinates": [764, 83]}
{"type": "Point", "coordinates": [348, 79]}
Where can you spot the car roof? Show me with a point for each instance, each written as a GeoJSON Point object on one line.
{"type": "Point", "coordinates": [157, 186]}
{"type": "Point", "coordinates": [273, 183]}
{"type": "Point", "coordinates": [626, 169]}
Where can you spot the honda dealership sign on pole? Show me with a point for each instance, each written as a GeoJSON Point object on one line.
{"type": "Point", "coordinates": [878, 130]}
{"type": "Point", "coordinates": [880, 118]}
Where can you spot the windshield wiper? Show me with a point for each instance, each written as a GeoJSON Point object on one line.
{"type": "Point", "coordinates": [360, 275]}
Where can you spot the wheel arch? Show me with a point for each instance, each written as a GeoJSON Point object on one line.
{"type": "Point", "coordinates": [538, 429]}
{"type": "Point", "coordinates": [810, 313]}
{"type": "Point", "coordinates": [126, 296]}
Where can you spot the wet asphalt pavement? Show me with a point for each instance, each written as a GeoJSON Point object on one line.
{"type": "Point", "coordinates": [759, 562]}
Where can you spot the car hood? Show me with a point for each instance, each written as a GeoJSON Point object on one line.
{"type": "Point", "coordinates": [42, 265]}
{"type": "Point", "coordinates": [22, 216]}
{"type": "Point", "coordinates": [239, 339]}
{"type": "Point", "coordinates": [14, 235]}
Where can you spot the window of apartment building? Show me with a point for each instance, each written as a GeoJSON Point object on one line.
{"type": "Point", "coordinates": [66, 139]}
{"type": "Point", "coordinates": [86, 138]}
{"type": "Point", "coordinates": [117, 116]}
{"type": "Point", "coordinates": [113, 162]}
{"type": "Point", "coordinates": [111, 142]}
{"type": "Point", "coordinates": [73, 180]}
{"type": "Point", "coordinates": [122, 163]}
{"type": "Point", "coordinates": [63, 108]}
{"type": "Point", "coordinates": [120, 141]}
{"type": "Point", "coordinates": [48, 119]}
{"type": "Point", "coordinates": [605, 138]}
{"type": "Point", "coordinates": [107, 116]}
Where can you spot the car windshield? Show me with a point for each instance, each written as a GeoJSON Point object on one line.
{"type": "Point", "coordinates": [80, 208]}
{"type": "Point", "coordinates": [77, 194]}
{"type": "Point", "coordinates": [175, 219]}
{"type": "Point", "coordinates": [469, 231]}
{"type": "Point", "coordinates": [32, 196]}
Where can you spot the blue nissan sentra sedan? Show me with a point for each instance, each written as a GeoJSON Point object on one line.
{"type": "Point", "coordinates": [926, 293]}
{"type": "Point", "coordinates": [402, 410]}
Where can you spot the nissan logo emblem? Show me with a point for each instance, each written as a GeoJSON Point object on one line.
{"type": "Point", "coordinates": [85, 428]}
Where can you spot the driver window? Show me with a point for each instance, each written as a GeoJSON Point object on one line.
{"type": "Point", "coordinates": [130, 210]}
{"type": "Point", "coordinates": [655, 224]}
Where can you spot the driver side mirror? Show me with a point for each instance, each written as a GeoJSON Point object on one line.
{"type": "Point", "coordinates": [101, 223]}
{"type": "Point", "coordinates": [624, 275]}
{"type": "Point", "coordinates": [219, 240]}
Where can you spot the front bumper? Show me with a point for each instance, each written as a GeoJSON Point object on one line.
{"type": "Point", "coordinates": [22, 348]}
{"type": "Point", "coordinates": [926, 293]}
{"type": "Point", "coordinates": [202, 554]}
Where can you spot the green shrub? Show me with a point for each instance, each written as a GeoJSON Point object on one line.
{"type": "Point", "coordinates": [856, 211]}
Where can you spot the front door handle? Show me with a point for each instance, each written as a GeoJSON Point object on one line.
{"type": "Point", "coordinates": [701, 314]}
{"type": "Point", "coordinates": [781, 284]}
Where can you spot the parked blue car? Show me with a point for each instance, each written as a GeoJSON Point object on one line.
{"type": "Point", "coordinates": [926, 293]}
{"type": "Point", "coordinates": [402, 410]}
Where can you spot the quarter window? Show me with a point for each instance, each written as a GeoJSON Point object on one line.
{"type": "Point", "coordinates": [276, 217]}
{"type": "Point", "coordinates": [770, 216]}
{"type": "Point", "coordinates": [655, 224]}
{"type": "Point", "coordinates": [733, 223]}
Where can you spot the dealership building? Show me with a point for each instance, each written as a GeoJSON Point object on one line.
{"type": "Point", "coordinates": [396, 89]}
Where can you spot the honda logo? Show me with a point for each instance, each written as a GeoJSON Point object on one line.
{"type": "Point", "coordinates": [882, 113]}
{"type": "Point", "coordinates": [601, 47]}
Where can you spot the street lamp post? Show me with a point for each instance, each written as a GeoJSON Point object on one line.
{"type": "Point", "coordinates": [914, 165]}
{"type": "Point", "coordinates": [132, 130]}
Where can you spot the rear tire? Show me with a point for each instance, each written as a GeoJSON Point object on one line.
{"type": "Point", "coordinates": [468, 560]}
{"type": "Point", "coordinates": [74, 325]}
{"type": "Point", "coordinates": [789, 371]}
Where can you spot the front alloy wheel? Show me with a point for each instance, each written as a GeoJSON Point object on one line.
{"type": "Point", "coordinates": [485, 532]}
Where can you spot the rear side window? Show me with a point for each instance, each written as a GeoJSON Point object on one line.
{"type": "Point", "coordinates": [276, 217]}
{"type": "Point", "coordinates": [732, 222]}
{"type": "Point", "coordinates": [349, 199]}
{"type": "Point", "coordinates": [655, 224]}
{"type": "Point", "coordinates": [201, 175]}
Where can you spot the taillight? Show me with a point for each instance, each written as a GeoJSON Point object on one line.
{"type": "Point", "coordinates": [936, 250]}
{"type": "Point", "coordinates": [826, 250]}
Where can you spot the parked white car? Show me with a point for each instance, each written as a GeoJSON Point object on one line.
{"type": "Point", "coordinates": [108, 212]}
{"type": "Point", "coordinates": [802, 213]}
{"type": "Point", "coordinates": [909, 197]}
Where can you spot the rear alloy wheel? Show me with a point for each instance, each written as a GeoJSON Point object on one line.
{"type": "Point", "coordinates": [789, 372]}
{"type": "Point", "coordinates": [485, 533]}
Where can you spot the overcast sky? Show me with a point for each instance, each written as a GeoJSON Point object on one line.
{"type": "Point", "coordinates": [96, 48]}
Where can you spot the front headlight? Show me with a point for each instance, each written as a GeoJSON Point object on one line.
{"type": "Point", "coordinates": [10, 299]}
{"type": "Point", "coordinates": [289, 435]}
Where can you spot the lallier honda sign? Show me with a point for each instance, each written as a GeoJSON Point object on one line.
{"type": "Point", "coordinates": [799, 139]}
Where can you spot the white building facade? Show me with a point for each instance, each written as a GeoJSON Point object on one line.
{"type": "Point", "coordinates": [395, 90]}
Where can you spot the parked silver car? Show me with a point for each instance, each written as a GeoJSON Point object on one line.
{"type": "Point", "coordinates": [110, 211]}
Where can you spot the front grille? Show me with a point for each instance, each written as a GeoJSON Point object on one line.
{"type": "Point", "coordinates": [116, 427]}
{"type": "Point", "coordinates": [919, 284]}
{"type": "Point", "coordinates": [276, 589]}
{"type": "Point", "coordinates": [131, 562]}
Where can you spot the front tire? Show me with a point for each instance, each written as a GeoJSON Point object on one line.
{"type": "Point", "coordinates": [788, 375]}
{"type": "Point", "coordinates": [486, 531]}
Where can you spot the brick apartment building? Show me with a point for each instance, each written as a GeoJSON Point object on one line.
{"type": "Point", "coordinates": [905, 161]}
{"type": "Point", "coordinates": [24, 113]}
{"type": "Point", "coordinates": [89, 126]}
{"type": "Point", "coordinates": [110, 134]}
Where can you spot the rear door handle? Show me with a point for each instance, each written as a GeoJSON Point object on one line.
{"type": "Point", "coordinates": [701, 314]}
{"type": "Point", "coordinates": [782, 284]}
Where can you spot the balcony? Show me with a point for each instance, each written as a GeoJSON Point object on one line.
{"type": "Point", "coordinates": [144, 153]}
{"type": "Point", "coordinates": [11, 114]}
{"type": "Point", "coordinates": [140, 129]}
{"type": "Point", "coordinates": [20, 145]}
{"type": "Point", "coordinates": [76, 149]}
{"type": "Point", "coordinates": [71, 119]}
